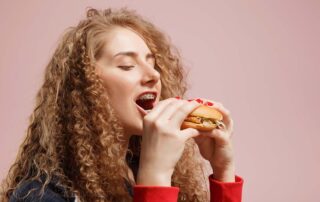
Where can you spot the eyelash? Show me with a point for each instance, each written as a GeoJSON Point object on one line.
{"type": "Point", "coordinates": [126, 67]}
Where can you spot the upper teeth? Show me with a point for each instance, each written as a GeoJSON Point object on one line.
{"type": "Point", "coordinates": [147, 96]}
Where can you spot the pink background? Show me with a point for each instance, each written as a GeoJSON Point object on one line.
{"type": "Point", "coordinates": [259, 58]}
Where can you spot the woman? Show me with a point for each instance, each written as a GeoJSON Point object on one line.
{"type": "Point", "coordinates": [84, 138]}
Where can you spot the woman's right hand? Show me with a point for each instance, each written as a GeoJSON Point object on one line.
{"type": "Point", "coordinates": [163, 142]}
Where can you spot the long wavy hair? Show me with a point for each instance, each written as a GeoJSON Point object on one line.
{"type": "Point", "coordinates": [74, 136]}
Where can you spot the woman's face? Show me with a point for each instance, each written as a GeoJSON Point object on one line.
{"type": "Point", "coordinates": [127, 68]}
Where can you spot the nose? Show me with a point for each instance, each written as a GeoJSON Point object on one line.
{"type": "Point", "coordinates": [150, 75]}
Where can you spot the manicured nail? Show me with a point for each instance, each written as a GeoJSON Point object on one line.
{"type": "Point", "coordinates": [199, 100]}
{"type": "Point", "coordinates": [209, 103]}
{"type": "Point", "coordinates": [177, 97]}
{"type": "Point", "coordinates": [190, 100]}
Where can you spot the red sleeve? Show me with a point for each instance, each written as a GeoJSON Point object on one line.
{"type": "Point", "coordinates": [226, 191]}
{"type": "Point", "coordinates": [155, 194]}
{"type": "Point", "coordinates": [219, 192]}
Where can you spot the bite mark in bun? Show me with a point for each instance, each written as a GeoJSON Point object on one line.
{"type": "Point", "coordinates": [204, 118]}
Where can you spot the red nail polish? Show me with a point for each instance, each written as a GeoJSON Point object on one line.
{"type": "Point", "coordinates": [190, 100]}
{"type": "Point", "coordinates": [177, 97]}
{"type": "Point", "coordinates": [209, 103]}
{"type": "Point", "coordinates": [199, 100]}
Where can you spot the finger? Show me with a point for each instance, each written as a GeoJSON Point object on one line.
{"type": "Point", "coordinates": [160, 107]}
{"type": "Point", "coordinates": [170, 109]}
{"type": "Point", "coordinates": [205, 101]}
{"type": "Point", "coordinates": [189, 133]}
{"type": "Point", "coordinates": [182, 112]}
{"type": "Point", "coordinates": [227, 120]}
{"type": "Point", "coordinates": [225, 112]}
{"type": "Point", "coordinates": [211, 103]}
{"type": "Point", "coordinates": [221, 137]}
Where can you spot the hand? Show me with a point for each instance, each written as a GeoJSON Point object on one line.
{"type": "Point", "coordinates": [163, 142]}
{"type": "Point", "coordinates": [216, 146]}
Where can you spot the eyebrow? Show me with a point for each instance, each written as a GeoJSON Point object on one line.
{"type": "Point", "coordinates": [133, 54]}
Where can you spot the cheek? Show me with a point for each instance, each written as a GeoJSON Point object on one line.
{"type": "Point", "coordinates": [116, 83]}
{"type": "Point", "coordinates": [119, 90]}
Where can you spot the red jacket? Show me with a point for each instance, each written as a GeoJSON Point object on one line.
{"type": "Point", "coordinates": [219, 192]}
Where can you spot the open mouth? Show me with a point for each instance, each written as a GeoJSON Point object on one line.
{"type": "Point", "coordinates": [146, 105]}
{"type": "Point", "coordinates": [146, 101]}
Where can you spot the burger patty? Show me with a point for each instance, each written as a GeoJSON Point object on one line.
{"type": "Point", "coordinates": [199, 120]}
{"type": "Point", "coordinates": [205, 121]}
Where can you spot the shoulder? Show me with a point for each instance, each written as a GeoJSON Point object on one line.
{"type": "Point", "coordinates": [31, 191]}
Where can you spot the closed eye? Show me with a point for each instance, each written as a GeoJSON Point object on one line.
{"type": "Point", "coordinates": [126, 67]}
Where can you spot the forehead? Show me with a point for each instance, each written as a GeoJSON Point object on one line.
{"type": "Point", "coordinates": [123, 39]}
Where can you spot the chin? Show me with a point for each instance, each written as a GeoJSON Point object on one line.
{"type": "Point", "coordinates": [134, 131]}
{"type": "Point", "coordinates": [137, 132]}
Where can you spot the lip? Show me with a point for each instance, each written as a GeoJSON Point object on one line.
{"type": "Point", "coordinates": [144, 112]}
{"type": "Point", "coordinates": [155, 93]}
{"type": "Point", "coordinates": [140, 109]}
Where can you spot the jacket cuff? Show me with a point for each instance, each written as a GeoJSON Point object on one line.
{"type": "Point", "coordinates": [226, 191]}
{"type": "Point", "coordinates": [143, 193]}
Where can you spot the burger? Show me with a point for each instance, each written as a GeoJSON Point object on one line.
{"type": "Point", "coordinates": [204, 118]}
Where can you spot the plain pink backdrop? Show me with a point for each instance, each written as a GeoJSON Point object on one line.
{"type": "Point", "coordinates": [259, 58]}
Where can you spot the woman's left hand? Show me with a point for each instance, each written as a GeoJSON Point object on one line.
{"type": "Point", "coordinates": [216, 146]}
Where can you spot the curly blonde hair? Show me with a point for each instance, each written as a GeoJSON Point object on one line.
{"type": "Point", "coordinates": [74, 136]}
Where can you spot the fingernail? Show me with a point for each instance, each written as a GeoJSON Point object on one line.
{"type": "Point", "coordinates": [209, 103]}
{"type": "Point", "coordinates": [177, 97]}
{"type": "Point", "coordinates": [199, 100]}
{"type": "Point", "coordinates": [190, 100]}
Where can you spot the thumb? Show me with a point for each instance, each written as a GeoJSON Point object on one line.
{"type": "Point", "coordinates": [189, 133]}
